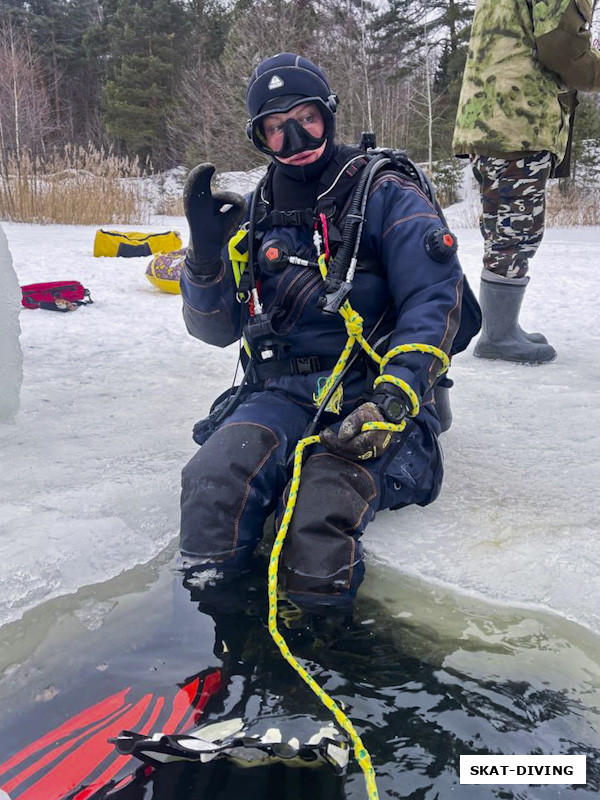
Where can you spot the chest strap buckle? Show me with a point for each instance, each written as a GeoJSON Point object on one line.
{"type": "Point", "coordinates": [305, 365]}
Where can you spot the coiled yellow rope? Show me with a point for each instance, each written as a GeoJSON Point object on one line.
{"type": "Point", "coordinates": [354, 327]}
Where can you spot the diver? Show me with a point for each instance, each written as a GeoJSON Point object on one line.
{"type": "Point", "coordinates": [401, 295]}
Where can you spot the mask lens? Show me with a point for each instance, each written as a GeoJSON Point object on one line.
{"type": "Point", "coordinates": [286, 137]}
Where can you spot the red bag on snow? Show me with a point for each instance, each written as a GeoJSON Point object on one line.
{"type": "Point", "coordinates": [55, 295]}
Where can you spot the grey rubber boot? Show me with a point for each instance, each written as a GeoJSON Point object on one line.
{"type": "Point", "coordinates": [538, 338]}
{"type": "Point", "coordinates": [501, 337]}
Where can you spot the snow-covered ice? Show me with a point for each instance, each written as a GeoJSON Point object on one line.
{"type": "Point", "coordinates": [11, 356]}
{"type": "Point", "coordinates": [90, 469]}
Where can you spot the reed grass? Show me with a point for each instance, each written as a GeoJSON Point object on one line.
{"type": "Point", "coordinates": [170, 206]}
{"type": "Point", "coordinates": [571, 206]}
{"type": "Point", "coordinates": [72, 186]}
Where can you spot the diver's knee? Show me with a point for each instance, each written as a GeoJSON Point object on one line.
{"type": "Point", "coordinates": [223, 495]}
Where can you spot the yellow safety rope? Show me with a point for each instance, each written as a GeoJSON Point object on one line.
{"type": "Point", "coordinates": [360, 751]}
{"type": "Point", "coordinates": [354, 327]}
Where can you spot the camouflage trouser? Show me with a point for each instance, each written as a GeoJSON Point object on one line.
{"type": "Point", "coordinates": [513, 195]}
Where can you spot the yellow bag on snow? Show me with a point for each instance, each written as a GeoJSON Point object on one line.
{"type": "Point", "coordinates": [164, 271]}
{"type": "Point", "coordinates": [133, 244]}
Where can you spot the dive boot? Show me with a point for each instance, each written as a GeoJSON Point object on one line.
{"type": "Point", "coordinates": [501, 337]}
{"type": "Point", "coordinates": [441, 400]}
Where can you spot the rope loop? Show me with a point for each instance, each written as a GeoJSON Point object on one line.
{"type": "Point", "coordinates": [415, 347]}
{"type": "Point", "coordinates": [408, 391]}
{"type": "Point", "coordinates": [384, 426]}
{"type": "Point", "coordinates": [353, 320]}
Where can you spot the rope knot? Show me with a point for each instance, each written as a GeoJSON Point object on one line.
{"type": "Point", "coordinates": [354, 324]}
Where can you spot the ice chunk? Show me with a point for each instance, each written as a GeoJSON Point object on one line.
{"type": "Point", "coordinates": [11, 357]}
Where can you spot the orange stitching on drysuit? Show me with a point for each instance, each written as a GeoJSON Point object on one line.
{"type": "Point", "coordinates": [446, 330]}
{"type": "Point", "coordinates": [407, 219]}
{"type": "Point", "coordinates": [202, 313]}
{"type": "Point", "coordinates": [404, 183]}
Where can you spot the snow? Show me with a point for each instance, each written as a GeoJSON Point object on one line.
{"type": "Point", "coordinates": [465, 213]}
{"type": "Point", "coordinates": [241, 182]}
{"type": "Point", "coordinates": [90, 468]}
{"type": "Point", "coordinates": [11, 357]}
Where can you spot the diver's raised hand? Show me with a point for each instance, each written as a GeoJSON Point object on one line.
{"type": "Point", "coordinates": [212, 218]}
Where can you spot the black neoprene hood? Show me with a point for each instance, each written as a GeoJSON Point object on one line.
{"type": "Point", "coordinates": [286, 74]}
{"type": "Point", "coordinates": [277, 85]}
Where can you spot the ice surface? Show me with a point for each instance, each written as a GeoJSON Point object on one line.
{"type": "Point", "coordinates": [518, 519]}
{"type": "Point", "coordinates": [90, 470]}
{"type": "Point", "coordinates": [11, 357]}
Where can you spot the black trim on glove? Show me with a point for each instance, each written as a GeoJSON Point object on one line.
{"type": "Point", "coordinates": [210, 225]}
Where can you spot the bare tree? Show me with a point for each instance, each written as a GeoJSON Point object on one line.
{"type": "Point", "coordinates": [377, 90]}
{"type": "Point", "coordinates": [25, 113]}
{"type": "Point", "coordinates": [209, 121]}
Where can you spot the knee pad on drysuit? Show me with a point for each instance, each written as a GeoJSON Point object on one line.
{"type": "Point", "coordinates": [322, 557]}
{"type": "Point", "coordinates": [222, 511]}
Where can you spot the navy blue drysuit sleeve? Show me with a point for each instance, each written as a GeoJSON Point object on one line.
{"type": "Point", "coordinates": [210, 308]}
{"type": "Point", "coordinates": [427, 294]}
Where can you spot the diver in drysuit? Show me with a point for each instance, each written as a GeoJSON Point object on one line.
{"type": "Point", "coordinates": [407, 289]}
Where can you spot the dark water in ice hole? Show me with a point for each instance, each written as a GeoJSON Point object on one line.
{"type": "Point", "coordinates": [425, 675]}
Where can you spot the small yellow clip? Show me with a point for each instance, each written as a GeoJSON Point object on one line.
{"type": "Point", "coordinates": [238, 253]}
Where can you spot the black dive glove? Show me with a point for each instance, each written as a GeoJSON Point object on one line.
{"type": "Point", "coordinates": [210, 226]}
{"type": "Point", "coordinates": [350, 443]}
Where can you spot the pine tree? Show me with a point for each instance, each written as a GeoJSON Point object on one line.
{"type": "Point", "coordinates": [190, 123]}
{"type": "Point", "coordinates": [146, 54]}
{"type": "Point", "coordinates": [454, 20]}
{"type": "Point", "coordinates": [585, 156]}
{"type": "Point", "coordinates": [401, 37]}
{"type": "Point", "coordinates": [425, 43]}
{"type": "Point", "coordinates": [212, 111]}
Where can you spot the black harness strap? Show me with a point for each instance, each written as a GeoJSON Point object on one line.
{"type": "Point", "coordinates": [282, 219]}
{"type": "Point", "coordinates": [302, 365]}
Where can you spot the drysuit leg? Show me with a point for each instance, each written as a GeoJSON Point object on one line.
{"type": "Point", "coordinates": [322, 557]}
{"type": "Point", "coordinates": [233, 482]}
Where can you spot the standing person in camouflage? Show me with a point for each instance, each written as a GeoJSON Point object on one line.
{"type": "Point", "coordinates": [526, 59]}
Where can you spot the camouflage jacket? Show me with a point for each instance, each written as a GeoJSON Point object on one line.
{"type": "Point", "coordinates": [525, 59]}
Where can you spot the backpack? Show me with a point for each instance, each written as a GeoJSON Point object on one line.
{"type": "Point", "coordinates": [55, 295]}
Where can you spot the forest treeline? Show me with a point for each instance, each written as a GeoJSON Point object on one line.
{"type": "Point", "coordinates": [163, 81]}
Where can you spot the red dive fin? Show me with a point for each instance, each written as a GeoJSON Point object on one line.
{"type": "Point", "coordinates": [78, 753]}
